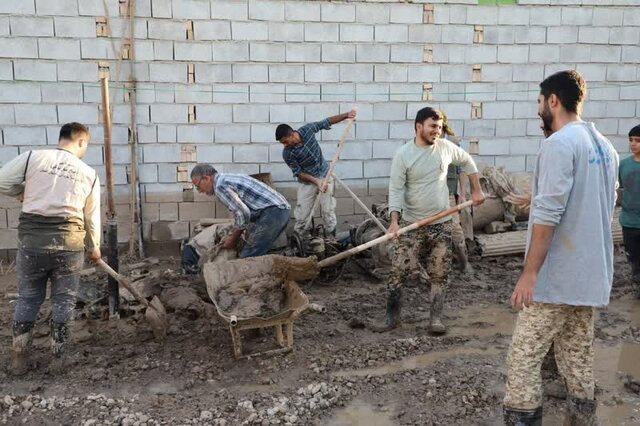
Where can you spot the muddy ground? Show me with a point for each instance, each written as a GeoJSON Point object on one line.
{"type": "Point", "coordinates": [339, 374]}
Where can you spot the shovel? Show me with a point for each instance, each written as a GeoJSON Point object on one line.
{"type": "Point", "coordinates": [295, 268]}
{"type": "Point", "coordinates": [155, 313]}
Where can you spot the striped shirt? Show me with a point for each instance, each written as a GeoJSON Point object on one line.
{"type": "Point", "coordinates": [246, 197]}
{"type": "Point", "coordinates": [307, 156]}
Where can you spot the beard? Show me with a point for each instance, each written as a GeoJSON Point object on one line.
{"type": "Point", "coordinates": [547, 118]}
{"type": "Point", "coordinates": [428, 138]}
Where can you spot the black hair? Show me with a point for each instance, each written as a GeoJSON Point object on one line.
{"type": "Point", "coordinates": [426, 113]}
{"type": "Point", "coordinates": [72, 131]}
{"type": "Point", "coordinates": [283, 130]}
{"type": "Point", "coordinates": [635, 131]}
{"type": "Point", "coordinates": [570, 88]}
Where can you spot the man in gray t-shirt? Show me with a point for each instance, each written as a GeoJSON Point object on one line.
{"type": "Point", "coordinates": [568, 268]}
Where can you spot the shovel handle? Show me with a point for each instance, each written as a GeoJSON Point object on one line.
{"type": "Point", "coordinates": [122, 280]}
{"type": "Point", "coordinates": [386, 237]}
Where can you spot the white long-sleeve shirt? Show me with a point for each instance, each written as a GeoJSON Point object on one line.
{"type": "Point", "coordinates": [61, 199]}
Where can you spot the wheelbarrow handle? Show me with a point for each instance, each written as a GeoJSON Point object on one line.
{"type": "Point", "coordinates": [122, 280]}
{"type": "Point", "coordinates": [386, 237]}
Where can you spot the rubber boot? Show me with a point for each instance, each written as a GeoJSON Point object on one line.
{"type": "Point", "coordinates": [518, 417]}
{"type": "Point", "coordinates": [435, 322]}
{"type": "Point", "coordinates": [580, 412]}
{"type": "Point", "coordinates": [22, 337]}
{"type": "Point", "coordinates": [460, 251]}
{"type": "Point", "coordinates": [392, 318]}
{"type": "Point", "coordinates": [59, 341]}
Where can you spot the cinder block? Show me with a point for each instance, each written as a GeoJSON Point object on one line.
{"type": "Point", "coordinates": [164, 153]}
{"type": "Point", "coordinates": [190, 9]}
{"type": "Point", "coordinates": [36, 114]}
{"type": "Point", "coordinates": [593, 35]}
{"type": "Point", "coordinates": [545, 15]}
{"type": "Point", "coordinates": [286, 114]}
{"type": "Point", "coordinates": [514, 92]}
{"type": "Point", "coordinates": [337, 92]}
{"type": "Point", "coordinates": [167, 133]}
{"type": "Point", "coordinates": [608, 16]}
{"type": "Point", "coordinates": [250, 73]}
{"type": "Point", "coordinates": [169, 231]}
{"type": "Point", "coordinates": [386, 149]}
{"type": "Point", "coordinates": [376, 168]}
{"type": "Point", "coordinates": [264, 133]}
{"type": "Point", "coordinates": [7, 116]}
{"type": "Point", "coordinates": [317, 112]}
{"type": "Point", "coordinates": [250, 154]}
{"type": "Point", "coordinates": [233, 134]}
{"type": "Point", "coordinates": [211, 30]}
{"type": "Point", "coordinates": [25, 136]}
{"type": "Point", "coordinates": [512, 163]}
{"type": "Point", "coordinates": [393, 33]}
{"type": "Point", "coordinates": [372, 130]}
{"type": "Point", "coordinates": [17, 7]}
{"type": "Point", "coordinates": [458, 110]}
{"type": "Point", "coordinates": [620, 109]}
{"type": "Point", "coordinates": [479, 128]}
{"type": "Point", "coordinates": [406, 14]}
{"type": "Point", "coordinates": [230, 10]}
{"type": "Point", "coordinates": [168, 211]}
{"type": "Point", "coordinates": [457, 34]}
{"type": "Point", "coordinates": [407, 53]}
{"type": "Point", "coordinates": [12, 92]}
{"type": "Point", "coordinates": [89, 48]}
{"type": "Point", "coordinates": [357, 150]}
{"type": "Point", "coordinates": [34, 70]}
{"type": "Point", "coordinates": [22, 26]}
{"type": "Point", "coordinates": [505, 128]}
{"type": "Point", "coordinates": [19, 48]}
{"type": "Point", "coordinates": [302, 92]}
{"type": "Point", "coordinates": [479, 54]}
{"type": "Point", "coordinates": [303, 11]}
{"type": "Point", "coordinates": [561, 35]}
{"type": "Point", "coordinates": [322, 73]}
{"type": "Point", "coordinates": [625, 35]}
{"type": "Point", "coordinates": [390, 73]}
{"type": "Point", "coordinates": [302, 52]}
{"type": "Point", "coordinates": [525, 110]}
{"type": "Point", "coordinates": [263, 10]}
{"type": "Point", "coordinates": [372, 13]}
{"type": "Point", "coordinates": [171, 73]}
{"type": "Point", "coordinates": [148, 173]}
{"type": "Point", "coordinates": [487, 15]}
{"type": "Point", "coordinates": [279, 173]}
{"type": "Point", "coordinates": [58, 7]}
{"type": "Point", "coordinates": [209, 73]}
{"type": "Point", "coordinates": [405, 92]}
{"type": "Point", "coordinates": [161, 9]}
{"type": "Point", "coordinates": [163, 50]}
{"type": "Point", "coordinates": [86, 114]}
{"type": "Point", "coordinates": [577, 16]}
{"type": "Point", "coordinates": [424, 73]}
{"type": "Point", "coordinates": [120, 26]}
{"type": "Point", "coordinates": [215, 154]}
{"type": "Point", "coordinates": [629, 54]}
{"type": "Point", "coordinates": [349, 169]}
{"type": "Point", "coordinates": [513, 15]}
{"type": "Point", "coordinates": [543, 54]}
{"type": "Point", "coordinates": [389, 111]}
{"type": "Point", "coordinates": [372, 53]}
{"type": "Point", "coordinates": [169, 113]}
{"type": "Point", "coordinates": [230, 93]}
{"type": "Point", "coordinates": [196, 211]}
{"type": "Point", "coordinates": [356, 72]}
{"type": "Point", "coordinates": [531, 35]}
{"type": "Point", "coordinates": [8, 239]}
{"type": "Point", "coordinates": [595, 109]}
{"type": "Point", "coordinates": [267, 52]}
{"type": "Point", "coordinates": [499, 35]}
{"type": "Point", "coordinates": [608, 126]}
{"type": "Point", "coordinates": [250, 113]}
{"type": "Point", "coordinates": [6, 70]}
{"type": "Point", "coordinates": [456, 73]}
{"type": "Point", "coordinates": [356, 32]}
{"type": "Point", "coordinates": [192, 51]}
{"type": "Point", "coordinates": [493, 146]}
{"type": "Point", "coordinates": [267, 93]}
{"type": "Point", "coordinates": [231, 51]}
{"type": "Point", "coordinates": [321, 32]}
{"type": "Point", "coordinates": [575, 53]}
{"type": "Point", "coordinates": [335, 12]}
{"type": "Point", "coordinates": [449, 54]}
{"type": "Point", "coordinates": [160, 29]}
{"type": "Point", "coordinates": [338, 53]}
{"type": "Point", "coordinates": [195, 133]}
{"type": "Point", "coordinates": [513, 54]}
{"type": "Point", "coordinates": [286, 31]}
{"type": "Point", "coordinates": [457, 14]}
{"type": "Point", "coordinates": [425, 33]}
{"type": "Point", "coordinates": [497, 110]}
{"type": "Point", "coordinates": [606, 53]}
{"type": "Point", "coordinates": [250, 30]}
{"type": "Point", "coordinates": [286, 73]}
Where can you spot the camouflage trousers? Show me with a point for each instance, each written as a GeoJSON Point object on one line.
{"type": "Point", "coordinates": [570, 329]}
{"type": "Point", "coordinates": [426, 252]}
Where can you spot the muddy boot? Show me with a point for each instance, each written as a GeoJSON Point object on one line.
{"type": "Point", "coordinates": [580, 412]}
{"type": "Point", "coordinates": [435, 322]}
{"type": "Point", "coordinates": [392, 318]}
{"type": "Point", "coordinates": [59, 342]}
{"type": "Point", "coordinates": [22, 334]}
{"type": "Point", "coordinates": [460, 251]}
{"type": "Point", "coordinates": [518, 417]}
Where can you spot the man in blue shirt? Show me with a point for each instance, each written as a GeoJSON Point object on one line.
{"type": "Point", "coordinates": [304, 157]}
{"type": "Point", "coordinates": [249, 200]}
{"type": "Point", "coordinates": [568, 268]}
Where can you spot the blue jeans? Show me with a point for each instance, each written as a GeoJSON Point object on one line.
{"type": "Point", "coordinates": [34, 268]}
{"type": "Point", "coordinates": [267, 227]}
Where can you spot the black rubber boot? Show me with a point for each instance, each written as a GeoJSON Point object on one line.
{"type": "Point", "coordinates": [580, 412]}
{"type": "Point", "coordinates": [392, 317]}
{"type": "Point", "coordinates": [518, 417]}
{"type": "Point", "coordinates": [435, 322]}
{"type": "Point", "coordinates": [59, 338]}
{"type": "Point", "coordinates": [460, 251]}
{"type": "Point", "coordinates": [22, 337]}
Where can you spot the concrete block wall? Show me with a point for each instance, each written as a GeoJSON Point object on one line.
{"type": "Point", "coordinates": [258, 63]}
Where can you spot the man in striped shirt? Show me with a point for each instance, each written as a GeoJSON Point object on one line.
{"type": "Point", "coordinates": [250, 201]}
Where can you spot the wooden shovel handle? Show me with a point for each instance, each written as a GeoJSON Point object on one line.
{"type": "Point", "coordinates": [386, 237]}
{"type": "Point", "coordinates": [122, 280]}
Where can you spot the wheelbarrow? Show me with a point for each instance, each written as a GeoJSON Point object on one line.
{"type": "Point", "coordinates": [284, 271]}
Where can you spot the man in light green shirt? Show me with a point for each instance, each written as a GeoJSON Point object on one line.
{"type": "Point", "coordinates": [418, 189]}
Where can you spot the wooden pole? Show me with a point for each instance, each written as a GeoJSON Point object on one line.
{"type": "Point", "coordinates": [361, 204]}
{"type": "Point", "coordinates": [112, 224]}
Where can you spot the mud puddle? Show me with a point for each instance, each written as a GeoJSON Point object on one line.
{"type": "Point", "coordinates": [360, 413]}
{"type": "Point", "coordinates": [483, 321]}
